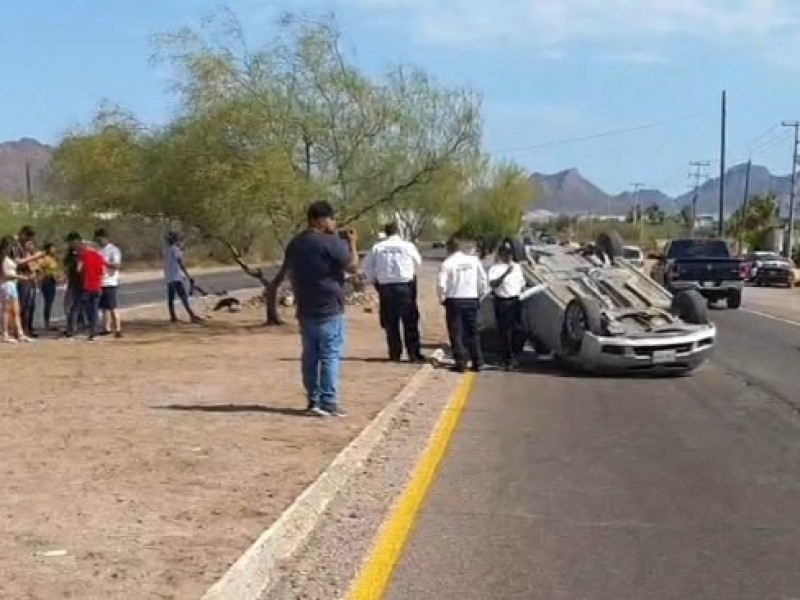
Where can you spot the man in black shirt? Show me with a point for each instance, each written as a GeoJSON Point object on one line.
{"type": "Point", "coordinates": [72, 273]}
{"type": "Point", "coordinates": [317, 260]}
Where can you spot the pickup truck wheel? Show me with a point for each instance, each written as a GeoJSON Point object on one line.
{"type": "Point", "coordinates": [734, 299]}
{"type": "Point", "coordinates": [690, 306]}
{"type": "Point", "coordinates": [581, 316]}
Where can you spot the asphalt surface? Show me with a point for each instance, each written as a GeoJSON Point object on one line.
{"type": "Point", "coordinates": [561, 487]}
{"type": "Point", "coordinates": [148, 292]}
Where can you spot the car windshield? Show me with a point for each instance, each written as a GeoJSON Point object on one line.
{"type": "Point", "coordinates": [767, 256]}
{"type": "Point", "coordinates": [631, 253]}
{"type": "Point", "coordinates": [698, 248]}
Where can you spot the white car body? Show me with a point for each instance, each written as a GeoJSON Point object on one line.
{"type": "Point", "coordinates": [634, 255]}
{"type": "Point", "coordinates": [639, 334]}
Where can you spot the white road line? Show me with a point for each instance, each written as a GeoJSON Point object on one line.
{"type": "Point", "coordinates": [769, 316]}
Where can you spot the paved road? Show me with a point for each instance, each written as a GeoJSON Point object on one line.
{"type": "Point", "coordinates": [558, 487]}
{"type": "Point", "coordinates": [146, 292]}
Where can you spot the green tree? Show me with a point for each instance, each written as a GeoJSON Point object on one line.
{"type": "Point", "coordinates": [261, 132]}
{"type": "Point", "coordinates": [753, 225]}
{"type": "Point", "coordinates": [496, 207]}
{"type": "Point", "coordinates": [687, 217]}
{"type": "Point", "coordinates": [654, 214]}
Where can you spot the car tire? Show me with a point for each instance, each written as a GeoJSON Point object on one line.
{"type": "Point", "coordinates": [734, 299]}
{"type": "Point", "coordinates": [610, 244]}
{"type": "Point", "coordinates": [581, 316]}
{"type": "Point", "coordinates": [517, 245]}
{"type": "Point", "coordinates": [690, 306]}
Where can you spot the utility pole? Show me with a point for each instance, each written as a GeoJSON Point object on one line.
{"type": "Point", "coordinates": [698, 172]}
{"type": "Point", "coordinates": [28, 191]}
{"type": "Point", "coordinates": [722, 165]}
{"type": "Point", "coordinates": [743, 223]}
{"type": "Point", "coordinates": [637, 186]}
{"type": "Point", "coordinates": [796, 125]}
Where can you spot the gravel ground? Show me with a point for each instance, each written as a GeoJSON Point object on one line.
{"type": "Point", "coordinates": [330, 560]}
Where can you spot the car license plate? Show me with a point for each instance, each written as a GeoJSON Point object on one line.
{"type": "Point", "coordinates": [708, 284]}
{"type": "Point", "coordinates": [663, 357]}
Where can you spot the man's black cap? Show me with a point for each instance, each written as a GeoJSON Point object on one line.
{"type": "Point", "coordinates": [73, 236]}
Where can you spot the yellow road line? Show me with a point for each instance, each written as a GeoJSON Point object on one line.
{"type": "Point", "coordinates": [384, 554]}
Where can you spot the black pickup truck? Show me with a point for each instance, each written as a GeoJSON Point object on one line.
{"type": "Point", "coordinates": [704, 265]}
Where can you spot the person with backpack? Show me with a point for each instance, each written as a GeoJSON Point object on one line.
{"type": "Point", "coordinates": [507, 283]}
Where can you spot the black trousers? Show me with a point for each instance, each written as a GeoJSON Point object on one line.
{"type": "Point", "coordinates": [508, 315]}
{"type": "Point", "coordinates": [398, 305]}
{"type": "Point", "coordinates": [176, 289]}
{"type": "Point", "coordinates": [48, 287]}
{"type": "Point", "coordinates": [462, 327]}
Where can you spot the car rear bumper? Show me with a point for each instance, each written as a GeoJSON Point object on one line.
{"type": "Point", "coordinates": [712, 290]}
{"type": "Point", "coordinates": [774, 276]}
{"type": "Point", "coordinates": [683, 352]}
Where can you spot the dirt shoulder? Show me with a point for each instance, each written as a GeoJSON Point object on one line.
{"type": "Point", "coordinates": [150, 464]}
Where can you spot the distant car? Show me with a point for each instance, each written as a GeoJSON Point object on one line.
{"type": "Point", "coordinates": [634, 255]}
{"type": "Point", "coordinates": [768, 268]}
{"type": "Point", "coordinates": [548, 239]}
{"type": "Point", "coordinates": [437, 245]}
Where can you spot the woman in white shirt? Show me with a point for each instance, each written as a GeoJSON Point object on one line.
{"type": "Point", "coordinates": [507, 283]}
{"type": "Point", "coordinates": [9, 294]}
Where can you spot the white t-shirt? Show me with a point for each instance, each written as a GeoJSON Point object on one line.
{"type": "Point", "coordinates": [112, 255]}
{"type": "Point", "coordinates": [513, 283]}
{"type": "Point", "coordinates": [172, 268]}
{"type": "Point", "coordinates": [9, 272]}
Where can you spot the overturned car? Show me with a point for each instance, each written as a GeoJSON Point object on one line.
{"type": "Point", "coordinates": [595, 311]}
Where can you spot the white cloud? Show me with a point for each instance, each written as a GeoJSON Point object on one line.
{"type": "Point", "coordinates": [554, 23]}
{"type": "Point", "coordinates": [632, 58]}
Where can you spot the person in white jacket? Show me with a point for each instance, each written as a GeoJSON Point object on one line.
{"type": "Point", "coordinates": [461, 284]}
{"type": "Point", "coordinates": [392, 267]}
{"type": "Point", "coordinates": [508, 282]}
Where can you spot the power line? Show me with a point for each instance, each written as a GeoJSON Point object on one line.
{"type": "Point", "coordinates": [595, 136]}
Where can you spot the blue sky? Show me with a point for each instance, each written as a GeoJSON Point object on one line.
{"type": "Point", "coordinates": [549, 70]}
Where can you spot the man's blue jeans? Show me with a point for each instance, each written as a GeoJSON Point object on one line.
{"type": "Point", "coordinates": [323, 342]}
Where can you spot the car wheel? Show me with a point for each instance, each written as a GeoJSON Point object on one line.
{"type": "Point", "coordinates": [690, 306]}
{"type": "Point", "coordinates": [517, 245]}
{"type": "Point", "coordinates": [734, 299]}
{"type": "Point", "coordinates": [610, 244]}
{"type": "Point", "coordinates": [581, 316]}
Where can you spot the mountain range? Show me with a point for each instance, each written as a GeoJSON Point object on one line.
{"type": "Point", "coordinates": [13, 158]}
{"type": "Point", "coordinates": [566, 192]}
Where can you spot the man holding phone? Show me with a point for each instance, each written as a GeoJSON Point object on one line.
{"type": "Point", "coordinates": [317, 260]}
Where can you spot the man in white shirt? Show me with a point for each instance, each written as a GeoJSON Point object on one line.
{"type": "Point", "coordinates": [109, 303]}
{"type": "Point", "coordinates": [175, 274]}
{"type": "Point", "coordinates": [392, 266]}
{"type": "Point", "coordinates": [461, 285]}
{"type": "Point", "coordinates": [507, 283]}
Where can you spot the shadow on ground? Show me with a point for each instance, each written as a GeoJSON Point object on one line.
{"type": "Point", "coordinates": [235, 409]}
{"type": "Point", "coordinates": [150, 331]}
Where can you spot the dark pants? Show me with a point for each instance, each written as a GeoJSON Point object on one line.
{"type": "Point", "coordinates": [508, 315]}
{"type": "Point", "coordinates": [177, 289]}
{"type": "Point", "coordinates": [86, 306]}
{"type": "Point", "coordinates": [462, 327]}
{"type": "Point", "coordinates": [398, 304]}
{"type": "Point", "coordinates": [49, 296]}
{"type": "Point", "coordinates": [27, 304]}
